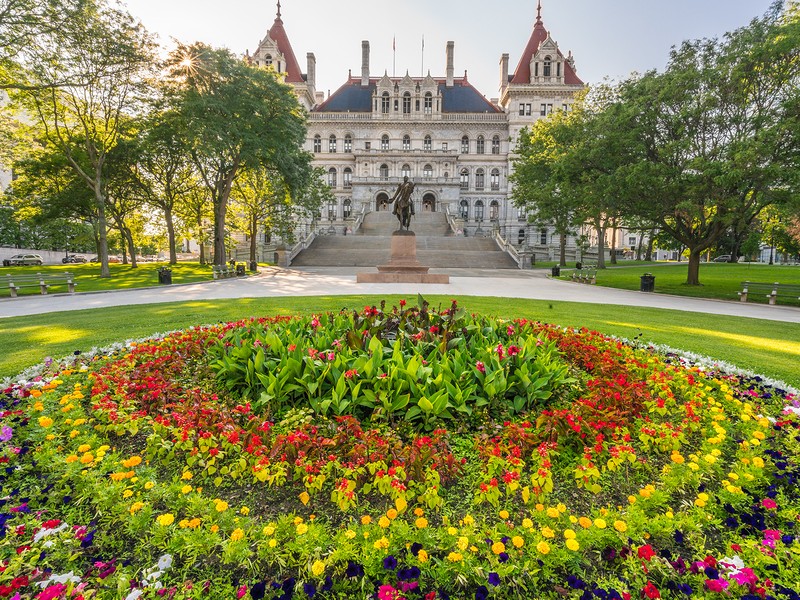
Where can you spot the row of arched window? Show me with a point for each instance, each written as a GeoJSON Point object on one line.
{"type": "Point", "coordinates": [427, 144]}
{"type": "Point", "coordinates": [405, 102]}
{"type": "Point", "coordinates": [480, 179]}
{"type": "Point", "coordinates": [347, 177]}
{"type": "Point", "coordinates": [494, 210]}
{"type": "Point", "coordinates": [332, 212]}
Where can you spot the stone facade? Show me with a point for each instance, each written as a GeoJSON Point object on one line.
{"type": "Point", "coordinates": [453, 142]}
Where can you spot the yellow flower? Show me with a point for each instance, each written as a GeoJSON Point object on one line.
{"type": "Point", "coordinates": [74, 433]}
{"type": "Point", "coordinates": [84, 448]}
{"type": "Point", "coordinates": [527, 523]}
{"type": "Point", "coordinates": [127, 494]}
{"type": "Point", "coordinates": [553, 513]}
{"type": "Point", "coordinates": [573, 544]}
{"type": "Point", "coordinates": [71, 459]}
{"type": "Point", "coordinates": [149, 485]}
{"type": "Point", "coordinates": [468, 520]}
{"type": "Point", "coordinates": [454, 557]}
{"type": "Point", "coordinates": [244, 511]}
{"type": "Point", "coordinates": [272, 543]}
{"type": "Point", "coordinates": [45, 421]}
{"type": "Point", "coordinates": [318, 568]}
{"type": "Point", "coordinates": [422, 556]}
{"type": "Point", "coordinates": [561, 507]}
{"type": "Point", "coordinates": [384, 522]}
{"type": "Point", "coordinates": [87, 458]}
{"type": "Point", "coordinates": [677, 458]}
{"type": "Point", "coordinates": [133, 461]}
{"type": "Point", "coordinates": [381, 544]}
{"type": "Point", "coordinates": [268, 530]}
{"type": "Point", "coordinates": [758, 462]}
{"type": "Point", "coordinates": [419, 512]}
{"type": "Point", "coordinates": [498, 547]}
{"type": "Point", "coordinates": [302, 529]}
{"type": "Point", "coordinates": [166, 519]}
{"type": "Point", "coordinates": [600, 523]}
{"type": "Point", "coordinates": [585, 522]}
{"type": "Point", "coordinates": [569, 534]}
{"type": "Point", "coordinates": [221, 505]}
{"type": "Point", "coordinates": [186, 475]}
{"type": "Point", "coordinates": [349, 534]}
{"type": "Point", "coordinates": [462, 543]}
{"type": "Point", "coordinates": [186, 489]}
{"type": "Point", "coordinates": [517, 541]}
{"type": "Point", "coordinates": [366, 520]}
{"type": "Point", "coordinates": [421, 523]}
{"type": "Point", "coordinates": [136, 506]}
{"type": "Point", "coordinates": [547, 532]}
{"type": "Point", "coordinates": [503, 514]}
{"type": "Point", "coordinates": [632, 499]}
{"type": "Point", "coordinates": [452, 530]}
{"type": "Point", "coordinates": [543, 548]}
{"type": "Point", "coordinates": [237, 535]}
{"type": "Point", "coordinates": [391, 513]}
{"type": "Point", "coordinates": [620, 526]}
{"type": "Point", "coordinates": [215, 529]}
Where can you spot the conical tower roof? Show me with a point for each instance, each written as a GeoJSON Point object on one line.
{"type": "Point", "coordinates": [278, 34]}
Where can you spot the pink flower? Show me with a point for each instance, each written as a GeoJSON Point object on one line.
{"type": "Point", "coordinates": [331, 356]}
{"type": "Point", "coordinates": [241, 591]}
{"type": "Point", "coordinates": [745, 576]}
{"type": "Point", "coordinates": [769, 503]}
{"type": "Point", "coordinates": [315, 322]}
{"type": "Point", "coordinates": [479, 365]}
{"type": "Point", "coordinates": [716, 585]}
{"type": "Point", "coordinates": [500, 351]}
{"type": "Point", "coordinates": [387, 592]}
{"type": "Point", "coordinates": [510, 330]}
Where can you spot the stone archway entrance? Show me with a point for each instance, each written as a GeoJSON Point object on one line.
{"type": "Point", "coordinates": [429, 203]}
{"type": "Point", "coordinates": [382, 202]}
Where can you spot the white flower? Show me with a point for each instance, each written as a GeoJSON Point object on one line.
{"type": "Point", "coordinates": [134, 595]}
{"type": "Point", "coordinates": [165, 562]}
{"type": "Point", "coordinates": [43, 533]}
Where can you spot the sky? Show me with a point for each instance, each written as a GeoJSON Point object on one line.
{"type": "Point", "coordinates": [608, 39]}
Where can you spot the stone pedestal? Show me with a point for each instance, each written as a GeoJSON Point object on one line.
{"type": "Point", "coordinates": [403, 265]}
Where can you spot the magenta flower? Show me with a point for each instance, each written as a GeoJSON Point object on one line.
{"type": "Point", "coordinates": [480, 366]}
{"type": "Point", "coordinates": [769, 503]}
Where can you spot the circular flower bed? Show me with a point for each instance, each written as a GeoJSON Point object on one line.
{"type": "Point", "coordinates": [396, 453]}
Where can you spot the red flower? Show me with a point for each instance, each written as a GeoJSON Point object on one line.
{"type": "Point", "coordinates": [651, 591]}
{"type": "Point", "coordinates": [646, 552]}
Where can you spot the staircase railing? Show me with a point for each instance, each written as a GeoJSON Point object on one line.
{"type": "Point", "coordinates": [301, 245]}
{"type": "Point", "coordinates": [451, 220]}
{"type": "Point", "coordinates": [360, 218]}
{"type": "Point", "coordinates": [522, 259]}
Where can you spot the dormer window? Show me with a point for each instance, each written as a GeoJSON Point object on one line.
{"type": "Point", "coordinates": [548, 66]}
{"type": "Point", "coordinates": [558, 69]}
{"type": "Point", "coordinates": [407, 103]}
{"type": "Point", "coordinates": [268, 60]}
{"type": "Point", "coordinates": [385, 103]}
{"type": "Point", "coordinates": [428, 103]}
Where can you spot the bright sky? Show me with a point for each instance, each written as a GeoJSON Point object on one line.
{"type": "Point", "coordinates": [611, 38]}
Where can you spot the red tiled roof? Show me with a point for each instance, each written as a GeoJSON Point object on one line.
{"type": "Point", "coordinates": [278, 33]}
{"type": "Point", "coordinates": [522, 74]}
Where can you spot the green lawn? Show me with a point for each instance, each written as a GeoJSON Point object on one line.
{"type": "Point", "coordinates": [718, 280]}
{"type": "Point", "coordinates": [87, 276]}
{"type": "Point", "coordinates": [766, 347]}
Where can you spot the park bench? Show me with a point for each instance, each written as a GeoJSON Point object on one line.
{"type": "Point", "coordinates": [225, 271]}
{"type": "Point", "coordinates": [775, 289]}
{"type": "Point", "coordinates": [41, 280]}
{"type": "Point", "coordinates": [586, 274]}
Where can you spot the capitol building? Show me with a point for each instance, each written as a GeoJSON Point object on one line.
{"type": "Point", "coordinates": [439, 130]}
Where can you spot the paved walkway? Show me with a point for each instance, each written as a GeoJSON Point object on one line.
{"type": "Point", "coordinates": [273, 282]}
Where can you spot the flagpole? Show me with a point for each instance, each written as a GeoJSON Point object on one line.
{"type": "Point", "coordinates": [394, 55]}
{"type": "Point", "coordinates": [422, 60]}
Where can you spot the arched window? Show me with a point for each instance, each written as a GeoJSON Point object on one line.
{"type": "Point", "coordinates": [465, 145]}
{"type": "Point", "coordinates": [496, 144]}
{"type": "Point", "coordinates": [384, 172]}
{"type": "Point", "coordinates": [407, 103]}
{"type": "Point", "coordinates": [494, 210]}
{"type": "Point", "coordinates": [479, 210]}
{"type": "Point", "coordinates": [406, 142]}
{"type": "Point", "coordinates": [332, 144]}
{"type": "Point", "coordinates": [522, 213]}
{"type": "Point", "coordinates": [428, 103]}
{"type": "Point", "coordinates": [385, 102]}
{"type": "Point", "coordinates": [479, 179]}
{"type": "Point", "coordinates": [548, 66]}
{"type": "Point", "coordinates": [348, 143]}
{"type": "Point", "coordinates": [347, 208]}
{"type": "Point", "coordinates": [427, 172]}
{"type": "Point", "coordinates": [405, 171]}
{"type": "Point", "coordinates": [427, 143]}
{"type": "Point", "coordinates": [317, 144]}
{"type": "Point", "coordinates": [464, 210]}
{"type": "Point", "coordinates": [495, 180]}
{"type": "Point", "coordinates": [332, 177]}
{"type": "Point", "coordinates": [332, 210]}
{"type": "Point", "coordinates": [464, 179]}
{"type": "Point", "coordinates": [543, 236]}
{"type": "Point", "coordinates": [268, 60]}
{"type": "Point", "coordinates": [480, 145]}
{"type": "Point", "coordinates": [347, 178]}
{"type": "Point", "coordinates": [384, 142]}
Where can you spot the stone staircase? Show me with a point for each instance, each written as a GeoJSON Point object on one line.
{"type": "Point", "coordinates": [437, 247]}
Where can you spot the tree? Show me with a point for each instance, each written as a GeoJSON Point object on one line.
{"type": "Point", "coordinates": [103, 56]}
{"type": "Point", "coordinates": [716, 133]}
{"type": "Point", "coordinates": [234, 116]}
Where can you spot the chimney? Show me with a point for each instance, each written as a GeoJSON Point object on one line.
{"type": "Point", "coordinates": [364, 63]}
{"type": "Point", "coordinates": [311, 73]}
{"type": "Point", "coordinates": [503, 73]}
{"type": "Point", "coordinates": [450, 47]}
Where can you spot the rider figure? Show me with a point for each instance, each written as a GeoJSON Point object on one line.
{"type": "Point", "coordinates": [404, 207]}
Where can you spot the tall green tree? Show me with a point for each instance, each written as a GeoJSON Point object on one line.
{"type": "Point", "coordinates": [235, 116]}
{"type": "Point", "coordinates": [91, 71]}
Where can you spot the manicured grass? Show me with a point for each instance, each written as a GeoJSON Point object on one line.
{"type": "Point", "coordinates": [87, 276]}
{"type": "Point", "coordinates": [718, 280]}
{"type": "Point", "coordinates": [766, 347]}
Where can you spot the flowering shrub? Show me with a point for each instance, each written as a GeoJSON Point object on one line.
{"type": "Point", "coordinates": [402, 453]}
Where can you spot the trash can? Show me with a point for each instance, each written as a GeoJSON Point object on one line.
{"type": "Point", "coordinates": [240, 269]}
{"type": "Point", "coordinates": [648, 282]}
{"type": "Point", "coordinates": [253, 266]}
{"type": "Point", "coordinates": [164, 276]}
{"type": "Point", "coordinates": [556, 271]}
{"type": "Point", "coordinates": [578, 265]}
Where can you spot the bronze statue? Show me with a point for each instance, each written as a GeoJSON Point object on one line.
{"type": "Point", "coordinates": [404, 208]}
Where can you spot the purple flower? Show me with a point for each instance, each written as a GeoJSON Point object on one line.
{"type": "Point", "coordinates": [390, 563]}
{"type": "Point", "coordinates": [494, 579]}
{"type": "Point", "coordinates": [502, 557]}
{"type": "Point", "coordinates": [481, 593]}
{"type": "Point", "coordinates": [354, 569]}
{"type": "Point", "coordinates": [310, 589]}
{"type": "Point", "coordinates": [258, 590]}
{"type": "Point", "coordinates": [6, 433]}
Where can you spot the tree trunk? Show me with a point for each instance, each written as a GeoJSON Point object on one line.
{"type": "Point", "coordinates": [123, 244]}
{"type": "Point", "coordinates": [648, 255]}
{"type": "Point", "coordinates": [614, 243]}
{"type": "Point", "coordinates": [562, 248]}
{"type": "Point", "coordinates": [173, 254]}
{"type": "Point", "coordinates": [693, 275]}
{"type": "Point", "coordinates": [253, 233]}
{"type": "Point", "coordinates": [102, 234]}
{"type": "Point", "coordinates": [601, 246]}
{"type": "Point", "coordinates": [220, 210]}
{"type": "Point", "coordinates": [639, 245]}
{"type": "Point", "coordinates": [129, 240]}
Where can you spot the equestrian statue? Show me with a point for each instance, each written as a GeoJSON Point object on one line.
{"type": "Point", "coordinates": [404, 207]}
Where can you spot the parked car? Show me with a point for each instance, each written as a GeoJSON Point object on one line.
{"type": "Point", "coordinates": [723, 258]}
{"type": "Point", "coordinates": [73, 258]}
{"type": "Point", "coordinates": [24, 259]}
{"type": "Point", "coordinates": [111, 259]}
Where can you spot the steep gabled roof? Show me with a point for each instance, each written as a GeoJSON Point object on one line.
{"type": "Point", "coordinates": [462, 97]}
{"type": "Point", "coordinates": [278, 34]}
{"type": "Point", "coordinates": [522, 74]}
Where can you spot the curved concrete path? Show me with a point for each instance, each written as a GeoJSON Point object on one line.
{"type": "Point", "coordinates": [273, 282]}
